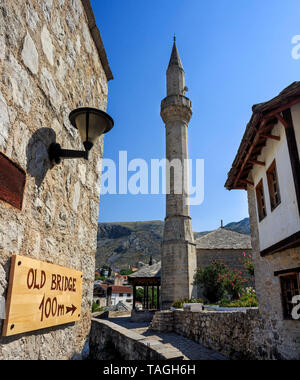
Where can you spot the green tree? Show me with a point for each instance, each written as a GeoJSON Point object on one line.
{"type": "Point", "coordinates": [96, 308]}
{"type": "Point", "coordinates": [140, 296]}
{"type": "Point", "coordinates": [99, 278]}
{"type": "Point", "coordinates": [126, 272]}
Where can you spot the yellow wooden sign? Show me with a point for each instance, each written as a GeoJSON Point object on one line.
{"type": "Point", "coordinates": [41, 295]}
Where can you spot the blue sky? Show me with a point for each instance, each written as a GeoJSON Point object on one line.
{"type": "Point", "coordinates": [235, 54]}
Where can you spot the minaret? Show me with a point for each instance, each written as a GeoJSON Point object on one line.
{"type": "Point", "coordinates": [178, 247]}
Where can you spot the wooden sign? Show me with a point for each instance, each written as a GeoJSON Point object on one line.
{"type": "Point", "coordinates": [12, 182]}
{"type": "Point", "coordinates": [41, 295]}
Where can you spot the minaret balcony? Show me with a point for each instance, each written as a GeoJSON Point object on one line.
{"type": "Point", "coordinates": [176, 106]}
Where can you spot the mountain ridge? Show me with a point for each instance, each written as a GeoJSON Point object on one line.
{"type": "Point", "coordinates": [120, 244]}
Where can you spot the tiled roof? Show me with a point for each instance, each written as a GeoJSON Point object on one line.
{"type": "Point", "coordinates": [253, 136]}
{"type": "Point", "coordinates": [224, 238]}
{"type": "Point", "coordinates": [148, 271]}
{"type": "Point", "coordinates": [120, 289]}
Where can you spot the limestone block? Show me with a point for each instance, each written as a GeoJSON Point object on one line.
{"type": "Point", "coordinates": [94, 211]}
{"type": "Point", "coordinates": [46, 6]}
{"type": "Point", "coordinates": [78, 44]}
{"type": "Point", "coordinates": [32, 18]}
{"type": "Point", "coordinates": [76, 196]}
{"type": "Point", "coordinates": [49, 86]}
{"type": "Point", "coordinates": [61, 70]}
{"type": "Point", "coordinates": [47, 45]}
{"type": "Point", "coordinates": [59, 31]}
{"type": "Point", "coordinates": [66, 122]}
{"type": "Point", "coordinates": [20, 141]}
{"type": "Point", "coordinates": [34, 243]}
{"type": "Point", "coordinates": [19, 84]}
{"type": "Point", "coordinates": [11, 236]}
{"type": "Point", "coordinates": [11, 26]}
{"type": "Point", "coordinates": [70, 22]}
{"type": "Point", "coordinates": [3, 281]}
{"type": "Point", "coordinates": [82, 173]}
{"type": "Point", "coordinates": [87, 38]}
{"type": "Point", "coordinates": [2, 48]}
{"type": "Point", "coordinates": [71, 56]}
{"type": "Point", "coordinates": [4, 122]}
{"type": "Point", "coordinates": [50, 204]}
{"type": "Point", "coordinates": [77, 8]}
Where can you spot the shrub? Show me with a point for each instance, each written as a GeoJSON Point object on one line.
{"type": "Point", "coordinates": [96, 308]}
{"type": "Point", "coordinates": [214, 290]}
{"type": "Point", "coordinates": [248, 299]}
{"type": "Point", "coordinates": [233, 283]}
{"type": "Point", "coordinates": [248, 263]}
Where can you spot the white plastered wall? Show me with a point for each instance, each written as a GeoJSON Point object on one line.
{"type": "Point", "coordinates": [284, 221]}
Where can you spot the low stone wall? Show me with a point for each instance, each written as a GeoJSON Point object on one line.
{"type": "Point", "coordinates": [142, 315]}
{"type": "Point", "coordinates": [235, 334]}
{"type": "Point", "coordinates": [109, 341]}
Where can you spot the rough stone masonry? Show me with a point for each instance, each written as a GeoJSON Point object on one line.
{"type": "Point", "coordinates": [51, 61]}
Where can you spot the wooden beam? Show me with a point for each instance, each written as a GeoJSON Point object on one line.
{"type": "Point", "coordinates": [282, 121]}
{"type": "Point", "coordinates": [254, 162]}
{"type": "Point", "coordinates": [272, 137]}
{"type": "Point", "coordinates": [261, 127]}
{"type": "Point", "coordinates": [256, 138]}
{"type": "Point", "coordinates": [283, 108]}
{"type": "Point", "coordinates": [247, 182]}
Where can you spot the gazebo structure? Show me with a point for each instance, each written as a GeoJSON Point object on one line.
{"type": "Point", "coordinates": [148, 277]}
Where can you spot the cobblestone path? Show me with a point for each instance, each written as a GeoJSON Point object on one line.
{"type": "Point", "coordinates": [189, 349]}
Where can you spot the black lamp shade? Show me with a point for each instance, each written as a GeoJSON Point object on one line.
{"type": "Point", "coordinates": [91, 123]}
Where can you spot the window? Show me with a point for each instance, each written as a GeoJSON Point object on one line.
{"type": "Point", "coordinates": [129, 300]}
{"type": "Point", "coordinates": [121, 295]}
{"type": "Point", "coordinates": [273, 186]}
{"type": "Point", "coordinates": [261, 204]}
{"type": "Point", "coordinates": [128, 294]}
{"type": "Point", "coordinates": [290, 287]}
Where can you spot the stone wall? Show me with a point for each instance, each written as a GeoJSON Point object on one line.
{"type": "Point", "coordinates": [49, 65]}
{"type": "Point", "coordinates": [235, 334]}
{"type": "Point", "coordinates": [283, 336]}
{"type": "Point", "coordinates": [109, 341]}
{"type": "Point", "coordinates": [232, 258]}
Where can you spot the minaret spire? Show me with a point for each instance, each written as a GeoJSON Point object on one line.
{"type": "Point", "coordinates": [175, 58]}
{"type": "Point", "coordinates": [178, 246]}
{"type": "Point", "coordinates": [175, 73]}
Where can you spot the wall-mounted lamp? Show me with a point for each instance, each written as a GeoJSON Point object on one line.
{"type": "Point", "coordinates": [91, 124]}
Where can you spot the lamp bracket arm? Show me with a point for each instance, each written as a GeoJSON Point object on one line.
{"type": "Point", "coordinates": [56, 153]}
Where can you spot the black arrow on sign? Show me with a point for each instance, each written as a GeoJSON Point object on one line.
{"type": "Point", "coordinates": [73, 309]}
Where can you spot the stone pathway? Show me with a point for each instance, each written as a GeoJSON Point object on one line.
{"type": "Point", "coordinates": [189, 349]}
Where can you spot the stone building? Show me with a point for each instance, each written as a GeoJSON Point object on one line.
{"type": "Point", "coordinates": [100, 294]}
{"type": "Point", "coordinates": [52, 61]}
{"type": "Point", "coordinates": [267, 166]}
{"type": "Point", "coordinates": [226, 245]}
{"type": "Point", "coordinates": [178, 246]}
